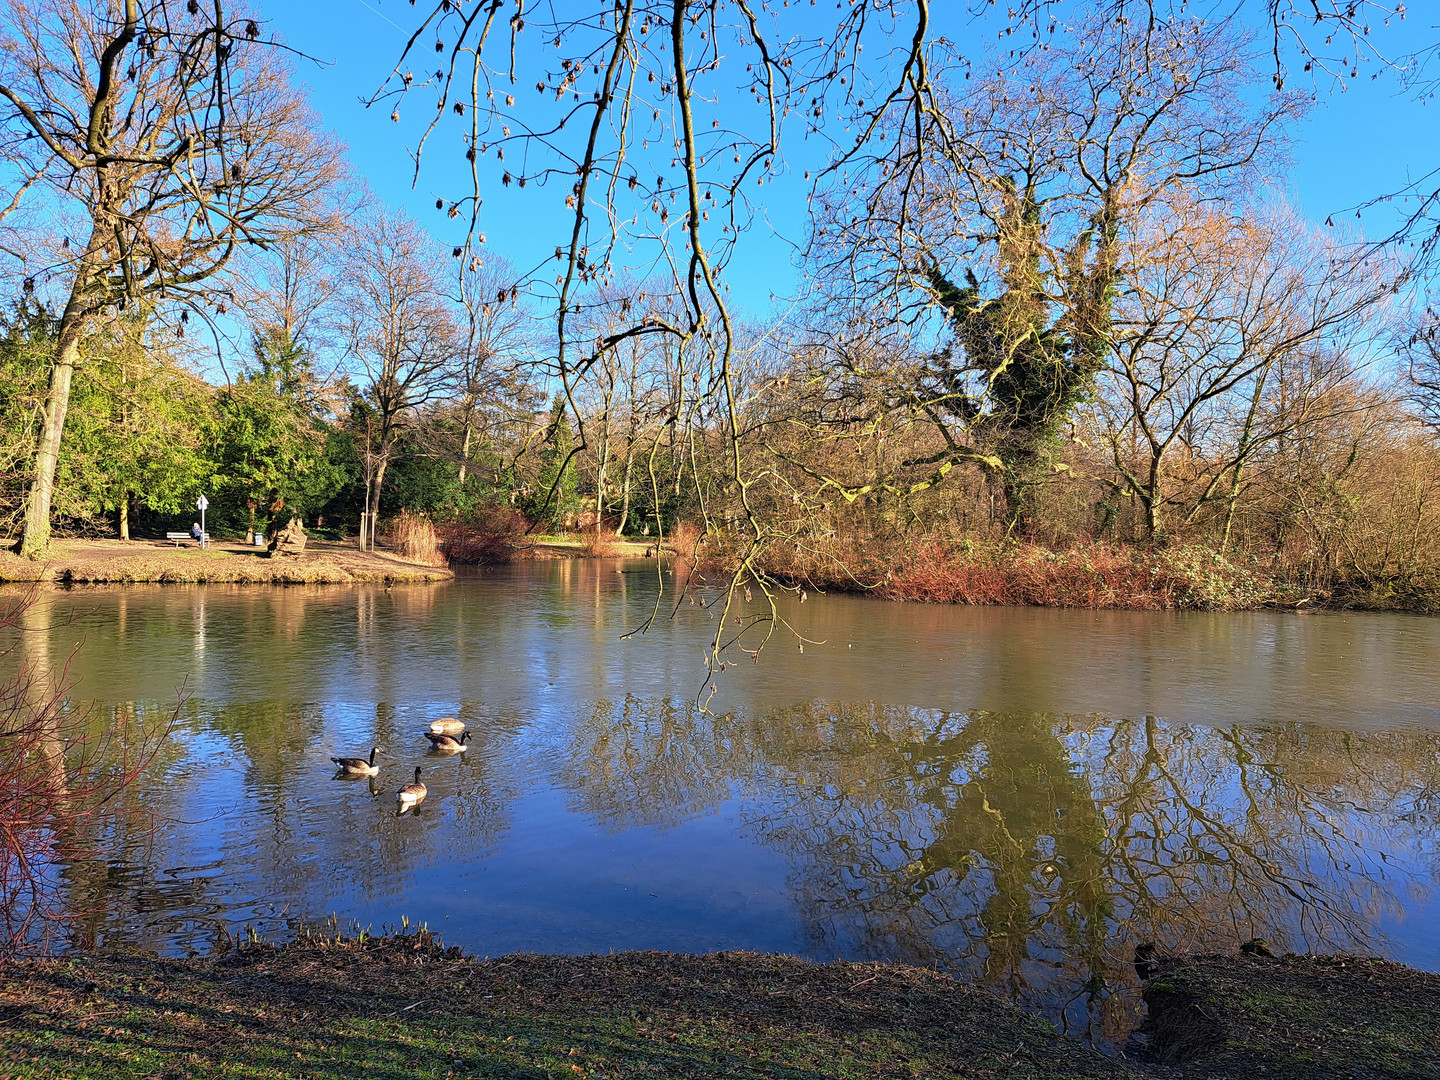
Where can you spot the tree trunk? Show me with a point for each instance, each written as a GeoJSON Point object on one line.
{"type": "Point", "coordinates": [625, 505]}
{"type": "Point", "coordinates": [374, 499]}
{"type": "Point", "coordinates": [1242, 452]}
{"type": "Point", "coordinates": [1150, 499]}
{"type": "Point", "coordinates": [465, 450]}
{"type": "Point", "coordinates": [600, 480]}
{"type": "Point", "coordinates": [35, 534]}
{"type": "Point", "coordinates": [366, 539]}
{"type": "Point", "coordinates": [124, 515]}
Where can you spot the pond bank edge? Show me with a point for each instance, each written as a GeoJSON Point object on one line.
{"type": "Point", "coordinates": [369, 1004]}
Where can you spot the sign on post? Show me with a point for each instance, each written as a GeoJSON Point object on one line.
{"type": "Point", "coordinates": [202, 504]}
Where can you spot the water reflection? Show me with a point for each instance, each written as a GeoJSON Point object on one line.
{"type": "Point", "coordinates": [990, 791]}
{"type": "Point", "coordinates": [1026, 851]}
{"type": "Point", "coordinates": [1031, 852]}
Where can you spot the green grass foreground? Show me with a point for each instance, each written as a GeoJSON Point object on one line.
{"type": "Point", "coordinates": [403, 1007]}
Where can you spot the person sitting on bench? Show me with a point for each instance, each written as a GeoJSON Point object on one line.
{"type": "Point", "coordinates": [195, 533]}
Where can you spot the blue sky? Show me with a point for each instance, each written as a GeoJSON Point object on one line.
{"type": "Point", "coordinates": [1358, 144]}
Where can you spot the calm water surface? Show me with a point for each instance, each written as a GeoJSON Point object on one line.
{"type": "Point", "coordinates": [1014, 795]}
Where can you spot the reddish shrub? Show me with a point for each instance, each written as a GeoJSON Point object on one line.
{"type": "Point", "coordinates": [487, 535]}
{"type": "Point", "coordinates": [598, 542]}
{"type": "Point", "coordinates": [1022, 574]}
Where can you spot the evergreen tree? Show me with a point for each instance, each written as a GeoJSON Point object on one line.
{"type": "Point", "coordinates": [273, 451]}
{"type": "Point", "coordinates": [27, 343]}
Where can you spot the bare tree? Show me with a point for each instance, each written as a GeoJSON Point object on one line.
{"type": "Point", "coordinates": [1324, 43]}
{"type": "Point", "coordinates": [174, 134]}
{"type": "Point", "coordinates": [1422, 355]}
{"type": "Point", "coordinates": [401, 336]}
{"type": "Point", "coordinates": [657, 124]}
{"type": "Point", "coordinates": [498, 346]}
{"type": "Point", "coordinates": [1222, 315]}
{"type": "Point", "coordinates": [1008, 203]}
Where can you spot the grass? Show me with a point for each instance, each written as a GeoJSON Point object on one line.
{"type": "Point", "coordinates": [401, 1007]}
{"type": "Point", "coordinates": [1299, 1018]}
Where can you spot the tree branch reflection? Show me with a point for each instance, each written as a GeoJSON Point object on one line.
{"type": "Point", "coordinates": [1032, 851]}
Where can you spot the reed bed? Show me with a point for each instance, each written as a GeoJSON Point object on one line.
{"type": "Point", "coordinates": [414, 539]}
{"type": "Point", "coordinates": [598, 542]}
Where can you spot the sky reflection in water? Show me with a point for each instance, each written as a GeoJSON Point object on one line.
{"type": "Point", "coordinates": [991, 791]}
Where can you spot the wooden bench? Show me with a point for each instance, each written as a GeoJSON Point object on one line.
{"type": "Point", "coordinates": [178, 538]}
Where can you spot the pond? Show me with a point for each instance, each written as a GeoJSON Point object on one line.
{"type": "Point", "coordinates": [1018, 796]}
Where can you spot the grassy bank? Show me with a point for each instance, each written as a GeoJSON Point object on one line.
{"type": "Point", "coordinates": [1297, 1017]}
{"type": "Point", "coordinates": [404, 1007]}
{"type": "Point", "coordinates": [401, 1007]}
{"type": "Point", "coordinates": [114, 562]}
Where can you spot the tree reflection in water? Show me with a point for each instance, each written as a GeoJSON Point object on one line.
{"type": "Point", "coordinates": [1031, 852]}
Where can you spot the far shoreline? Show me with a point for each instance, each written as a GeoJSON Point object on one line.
{"type": "Point", "coordinates": [1094, 579]}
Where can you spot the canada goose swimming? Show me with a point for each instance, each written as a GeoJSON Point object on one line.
{"type": "Point", "coordinates": [412, 794]}
{"type": "Point", "coordinates": [358, 766]}
{"type": "Point", "coordinates": [448, 742]}
{"type": "Point", "coordinates": [447, 725]}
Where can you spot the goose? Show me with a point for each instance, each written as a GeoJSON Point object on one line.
{"type": "Point", "coordinates": [358, 766]}
{"type": "Point", "coordinates": [447, 725]}
{"type": "Point", "coordinates": [448, 742]}
{"type": "Point", "coordinates": [412, 794]}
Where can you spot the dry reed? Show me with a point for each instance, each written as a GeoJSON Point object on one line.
{"type": "Point", "coordinates": [415, 540]}
{"type": "Point", "coordinates": [598, 542]}
{"type": "Point", "coordinates": [685, 539]}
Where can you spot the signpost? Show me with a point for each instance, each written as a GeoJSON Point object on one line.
{"type": "Point", "coordinates": [202, 504]}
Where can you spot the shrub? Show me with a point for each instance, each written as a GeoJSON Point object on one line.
{"type": "Point", "coordinates": [598, 542]}
{"type": "Point", "coordinates": [1005, 572]}
{"type": "Point", "coordinates": [485, 535]}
